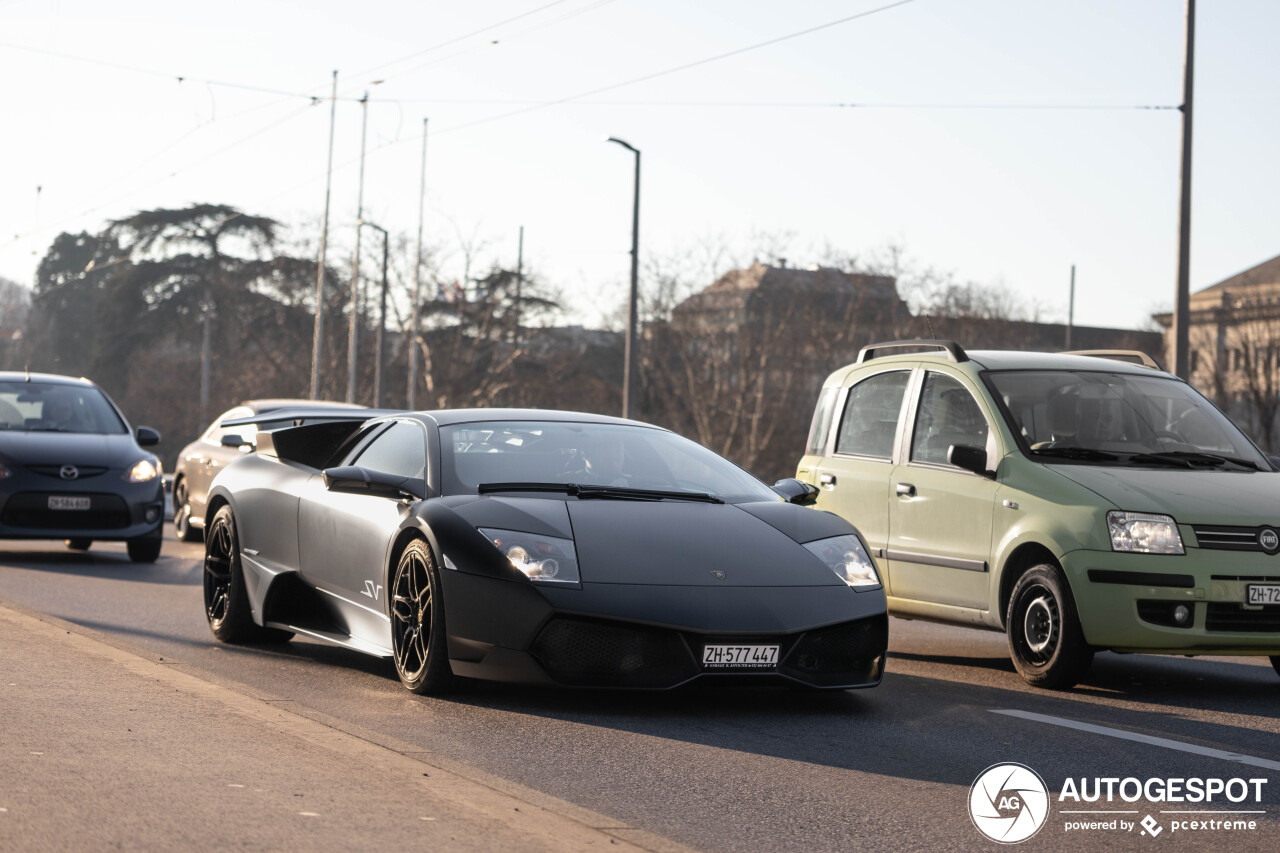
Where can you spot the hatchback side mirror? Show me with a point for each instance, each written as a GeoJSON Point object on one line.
{"type": "Point", "coordinates": [796, 492]}
{"type": "Point", "coordinates": [969, 458]}
{"type": "Point", "coordinates": [234, 440]}
{"type": "Point", "coordinates": [147, 437]}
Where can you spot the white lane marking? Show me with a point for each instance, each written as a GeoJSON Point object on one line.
{"type": "Point", "coordinates": [1139, 738]}
{"type": "Point", "coordinates": [233, 785]}
{"type": "Point", "coordinates": [309, 814]}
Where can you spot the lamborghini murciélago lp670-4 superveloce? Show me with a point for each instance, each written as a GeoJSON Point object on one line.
{"type": "Point", "coordinates": [537, 547]}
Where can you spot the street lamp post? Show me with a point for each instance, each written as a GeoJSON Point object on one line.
{"type": "Point", "coordinates": [379, 401]}
{"type": "Point", "coordinates": [630, 375]}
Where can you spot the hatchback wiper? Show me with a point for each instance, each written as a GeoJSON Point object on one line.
{"type": "Point", "coordinates": [602, 492]}
{"type": "Point", "coordinates": [1190, 459]}
{"type": "Point", "coordinates": [1077, 453]}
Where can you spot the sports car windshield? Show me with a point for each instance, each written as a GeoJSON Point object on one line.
{"type": "Point", "coordinates": [49, 407]}
{"type": "Point", "coordinates": [1120, 418]}
{"type": "Point", "coordinates": [610, 455]}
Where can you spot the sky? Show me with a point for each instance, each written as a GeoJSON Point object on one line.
{"type": "Point", "coordinates": [1000, 140]}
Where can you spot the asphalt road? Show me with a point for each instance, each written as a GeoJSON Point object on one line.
{"type": "Point", "coordinates": [754, 769]}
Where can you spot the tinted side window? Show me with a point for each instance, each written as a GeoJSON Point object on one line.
{"type": "Point", "coordinates": [947, 415]}
{"type": "Point", "coordinates": [402, 450]}
{"type": "Point", "coordinates": [871, 415]}
{"type": "Point", "coordinates": [821, 426]}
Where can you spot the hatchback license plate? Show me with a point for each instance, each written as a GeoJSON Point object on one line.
{"type": "Point", "coordinates": [724, 656]}
{"type": "Point", "coordinates": [69, 503]}
{"type": "Point", "coordinates": [1258, 593]}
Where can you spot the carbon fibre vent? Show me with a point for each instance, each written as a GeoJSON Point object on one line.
{"type": "Point", "coordinates": [834, 655]}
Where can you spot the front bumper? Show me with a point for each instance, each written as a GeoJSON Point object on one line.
{"type": "Point", "coordinates": [651, 637]}
{"type": "Point", "coordinates": [1124, 601]}
{"type": "Point", "coordinates": [117, 510]}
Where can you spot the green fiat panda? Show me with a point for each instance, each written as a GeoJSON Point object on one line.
{"type": "Point", "coordinates": [1076, 501]}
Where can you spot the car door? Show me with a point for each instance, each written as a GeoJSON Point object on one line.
{"type": "Point", "coordinates": [940, 516]}
{"type": "Point", "coordinates": [853, 476]}
{"type": "Point", "coordinates": [343, 538]}
{"type": "Point", "coordinates": [199, 465]}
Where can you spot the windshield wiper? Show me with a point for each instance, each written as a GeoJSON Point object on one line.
{"type": "Point", "coordinates": [602, 492]}
{"type": "Point", "coordinates": [1190, 459]}
{"type": "Point", "coordinates": [1078, 453]}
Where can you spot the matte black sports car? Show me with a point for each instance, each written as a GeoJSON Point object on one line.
{"type": "Point", "coordinates": [219, 446]}
{"type": "Point", "coordinates": [71, 468]}
{"type": "Point", "coordinates": [537, 547]}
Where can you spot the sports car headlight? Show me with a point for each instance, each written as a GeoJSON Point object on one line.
{"type": "Point", "coordinates": [1144, 533]}
{"type": "Point", "coordinates": [848, 559]}
{"type": "Point", "coordinates": [542, 559]}
{"type": "Point", "coordinates": [144, 471]}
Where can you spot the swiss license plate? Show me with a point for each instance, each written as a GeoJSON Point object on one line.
{"type": "Point", "coordinates": [724, 656]}
{"type": "Point", "coordinates": [57, 502]}
{"type": "Point", "coordinates": [1260, 593]}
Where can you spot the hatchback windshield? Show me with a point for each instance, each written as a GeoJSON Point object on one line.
{"type": "Point", "coordinates": [48, 407]}
{"type": "Point", "coordinates": [608, 455]}
{"type": "Point", "coordinates": [1119, 417]}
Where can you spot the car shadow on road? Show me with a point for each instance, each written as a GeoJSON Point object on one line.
{"type": "Point", "coordinates": [107, 564]}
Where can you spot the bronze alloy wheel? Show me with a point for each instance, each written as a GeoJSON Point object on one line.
{"type": "Point", "coordinates": [417, 622]}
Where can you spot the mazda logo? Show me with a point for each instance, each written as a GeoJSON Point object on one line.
{"type": "Point", "coordinates": [718, 575]}
{"type": "Point", "coordinates": [69, 472]}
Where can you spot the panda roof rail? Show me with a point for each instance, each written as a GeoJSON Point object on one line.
{"type": "Point", "coordinates": [1129, 356]}
{"type": "Point", "coordinates": [953, 350]}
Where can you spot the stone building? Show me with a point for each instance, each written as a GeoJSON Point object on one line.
{"type": "Point", "coordinates": [1234, 337]}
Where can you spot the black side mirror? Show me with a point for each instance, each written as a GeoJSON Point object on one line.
{"type": "Point", "coordinates": [147, 437]}
{"type": "Point", "coordinates": [355, 480]}
{"type": "Point", "coordinates": [234, 440]}
{"type": "Point", "coordinates": [969, 458]}
{"type": "Point", "coordinates": [796, 492]}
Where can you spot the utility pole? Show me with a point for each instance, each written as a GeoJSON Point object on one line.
{"type": "Point", "coordinates": [630, 374]}
{"type": "Point", "coordinates": [411, 400]}
{"type": "Point", "coordinates": [1071, 306]}
{"type": "Point", "coordinates": [379, 400]}
{"type": "Point", "coordinates": [515, 326]}
{"type": "Point", "coordinates": [317, 338]}
{"type": "Point", "coordinates": [1182, 302]}
{"type": "Point", "coordinates": [353, 330]}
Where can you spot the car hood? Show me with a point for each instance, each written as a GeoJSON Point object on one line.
{"type": "Point", "coordinates": [69, 448]}
{"type": "Point", "coordinates": [679, 543]}
{"type": "Point", "coordinates": [1192, 497]}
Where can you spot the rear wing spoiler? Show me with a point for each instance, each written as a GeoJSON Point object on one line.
{"type": "Point", "coordinates": [309, 436]}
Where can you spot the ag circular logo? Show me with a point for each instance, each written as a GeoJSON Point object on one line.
{"type": "Point", "coordinates": [1008, 803]}
{"type": "Point", "coordinates": [1269, 540]}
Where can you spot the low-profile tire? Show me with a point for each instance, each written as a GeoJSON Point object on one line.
{"type": "Point", "coordinates": [79, 544]}
{"type": "Point", "coordinates": [1045, 640]}
{"type": "Point", "coordinates": [182, 514]}
{"type": "Point", "coordinates": [1275, 663]}
{"type": "Point", "coordinates": [417, 622]}
{"type": "Point", "coordinates": [226, 602]}
{"type": "Point", "coordinates": [144, 549]}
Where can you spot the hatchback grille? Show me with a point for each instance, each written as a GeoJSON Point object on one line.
{"type": "Point", "coordinates": [31, 510]}
{"type": "Point", "coordinates": [83, 472]}
{"type": "Point", "coordinates": [1223, 616]}
{"type": "Point", "coordinates": [1222, 538]}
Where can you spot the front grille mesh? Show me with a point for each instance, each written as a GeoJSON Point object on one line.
{"type": "Point", "coordinates": [1224, 616]}
{"type": "Point", "coordinates": [848, 653]}
{"type": "Point", "coordinates": [30, 510]}
{"type": "Point", "coordinates": [580, 652]}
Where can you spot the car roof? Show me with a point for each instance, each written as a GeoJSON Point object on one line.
{"type": "Point", "coordinates": [1004, 360]}
{"type": "Point", "coordinates": [449, 417]}
{"type": "Point", "coordinates": [271, 405]}
{"type": "Point", "coordinates": [49, 378]}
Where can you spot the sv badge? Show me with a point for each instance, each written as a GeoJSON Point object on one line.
{"type": "Point", "coordinates": [373, 590]}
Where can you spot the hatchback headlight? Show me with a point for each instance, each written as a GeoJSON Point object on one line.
{"type": "Point", "coordinates": [542, 559]}
{"type": "Point", "coordinates": [144, 471]}
{"type": "Point", "coordinates": [848, 558]}
{"type": "Point", "coordinates": [1144, 533]}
